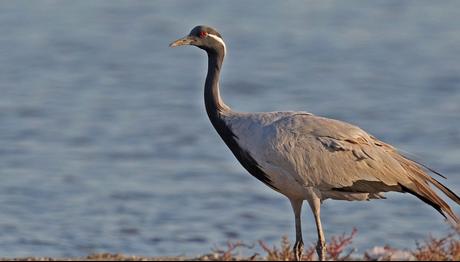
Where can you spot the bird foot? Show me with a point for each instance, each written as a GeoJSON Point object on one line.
{"type": "Point", "coordinates": [321, 250]}
{"type": "Point", "coordinates": [298, 250]}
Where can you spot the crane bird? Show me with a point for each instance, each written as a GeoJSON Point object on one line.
{"type": "Point", "coordinates": [308, 157]}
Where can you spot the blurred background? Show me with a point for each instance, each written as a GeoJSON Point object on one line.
{"type": "Point", "coordinates": [105, 145]}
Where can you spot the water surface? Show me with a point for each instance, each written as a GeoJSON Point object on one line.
{"type": "Point", "coordinates": [106, 147]}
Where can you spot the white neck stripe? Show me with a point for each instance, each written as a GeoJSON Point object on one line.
{"type": "Point", "coordinates": [220, 41]}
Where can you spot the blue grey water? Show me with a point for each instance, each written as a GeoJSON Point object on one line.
{"type": "Point", "coordinates": [105, 145]}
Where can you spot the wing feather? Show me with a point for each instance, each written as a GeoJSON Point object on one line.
{"type": "Point", "coordinates": [334, 155]}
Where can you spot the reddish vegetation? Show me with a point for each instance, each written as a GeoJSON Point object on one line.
{"type": "Point", "coordinates": [437, 249]}
{"type": "Point", "coordinates": [335, 249]}
{"type": "Point", "coordinates": [338, 249]}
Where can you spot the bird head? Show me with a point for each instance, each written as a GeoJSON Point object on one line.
{"type": "Point", "coordinates": [203, 37]}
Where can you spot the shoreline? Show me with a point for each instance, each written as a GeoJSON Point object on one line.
{"type": "Point", "coordinates": [339, 248]}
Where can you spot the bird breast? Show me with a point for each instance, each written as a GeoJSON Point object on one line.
{"type": "Point", "coordinates": [261, 136]}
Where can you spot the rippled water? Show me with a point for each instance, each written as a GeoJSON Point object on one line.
{"type": "Point", "coordinates": [105, 145]}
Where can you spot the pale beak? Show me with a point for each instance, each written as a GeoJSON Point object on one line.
{"type": "Point", "coordinates": [183, 41]}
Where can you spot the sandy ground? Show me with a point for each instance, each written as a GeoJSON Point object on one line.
{"type": "Point", "coordinates": [103, 257]}
{"type": "Point", "coordinates": [120, 257]}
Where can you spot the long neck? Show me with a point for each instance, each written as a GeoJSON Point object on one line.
{"type": "Point", "coordinates": [213, 102]}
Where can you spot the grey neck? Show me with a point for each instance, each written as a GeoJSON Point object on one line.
{"type": "Point", "coordinates": [216, 110]}
{"type": "Point", "coordinates": [213, 102]}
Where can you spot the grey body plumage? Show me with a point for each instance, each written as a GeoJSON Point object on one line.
{"type": "Point", "coordinates": [308, 157]}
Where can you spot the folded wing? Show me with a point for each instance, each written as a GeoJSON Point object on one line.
{"type": "Point", "coordinates": [337, 157]}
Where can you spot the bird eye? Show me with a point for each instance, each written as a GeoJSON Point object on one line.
{"type": "Point", "coordinates": [203, 34]}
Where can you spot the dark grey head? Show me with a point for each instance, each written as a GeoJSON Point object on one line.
{"type": "Point", "coordinates": [204, 37]}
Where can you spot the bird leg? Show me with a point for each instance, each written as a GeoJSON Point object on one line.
{"type": "Point", "coordinates": [298, 250]}
{"type": "Point", "coordinates": [321, 250]}
{"type": "Point", "coordinates": [321, 245]}
{"type": "Point", "coordinates": [298, 246]}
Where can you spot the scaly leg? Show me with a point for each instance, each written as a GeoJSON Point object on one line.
{"type": "Point", "coordinates": [298, 246]}
{"type": "Point", "coordinates": [315, 205]}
